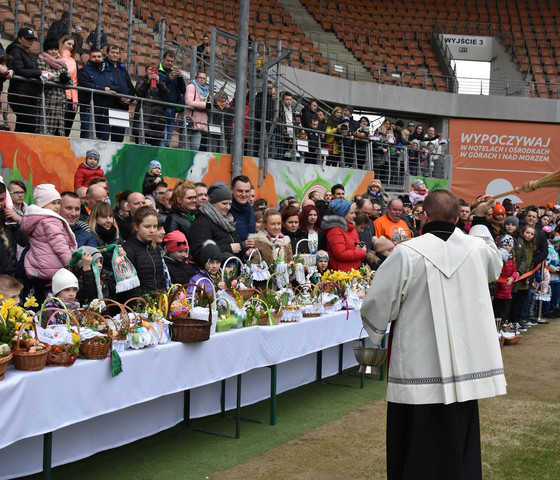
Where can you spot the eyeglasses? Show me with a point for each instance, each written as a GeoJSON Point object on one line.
{"type": "Point", "coordinates": [18, 193]}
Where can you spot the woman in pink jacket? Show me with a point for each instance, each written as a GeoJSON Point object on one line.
{"type": "Point", "coordinates": [51, 241]}
{"type": "Point", "coordinates": [197, 102]}
{"type": "Point", "coordinates": [67, 49]}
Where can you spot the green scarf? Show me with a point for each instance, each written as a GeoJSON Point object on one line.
{"type": "Point", "coordinates": [73, 263]}
{"type": "Point", "coordinates": [123, 270]}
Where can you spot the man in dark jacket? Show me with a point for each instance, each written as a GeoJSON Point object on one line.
{"type": "Point", "coordinates": [243, 212]}
{"type": "Point", "coordinates": [95, 75]}
{"type": "Point", "coordinates": [270, 114]}
{"type": "Point", "coordinates": [70, 210]}
{"type": "Point", "coordinates": [5, 74]}
{"type": "Point", "coordinates": [23, 95]}
{"type": "Point", "coordinates": [308, 112]}
{"type": "Point", "coordinates": [123, 85]}
{"type": "Point", "coordinates": [173, 79]}
{"type": "Point", "coordinates": [58, 28]}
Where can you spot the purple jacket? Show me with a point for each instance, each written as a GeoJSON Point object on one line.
{"type": "Point", "coordinates": [51, 242]}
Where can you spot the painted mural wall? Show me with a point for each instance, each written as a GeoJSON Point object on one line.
{"type": "Point", "coordinates": [37, 159]}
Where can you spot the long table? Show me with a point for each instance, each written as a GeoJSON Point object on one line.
{"type": "Point", "coordinates": [89, 411]}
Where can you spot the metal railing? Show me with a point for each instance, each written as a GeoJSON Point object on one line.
{"type": "Point", "coordinates": [145, 39]}
{"type": "Point", "coordinates": [392, 163]}
{"type": "Point", "coordinates": [144, 122]}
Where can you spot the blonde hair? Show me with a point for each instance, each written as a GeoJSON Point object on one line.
{"type": "Point", "coordinates": [98, 210]}
{"type": "Point", "coordinates": [9, 283]}
{"type": "Point", "coordinates": [61, 44]}
{"type": "Point", "coordinates": [270, 212]}
{"type": "Point", "coordinates": [180, 191]}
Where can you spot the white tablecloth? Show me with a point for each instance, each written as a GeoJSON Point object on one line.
{"type": "Point", "coordinates": [89, 411]}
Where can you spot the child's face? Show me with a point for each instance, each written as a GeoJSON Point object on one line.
{"type": "Point", "coordinates": [160, 233]}
{"type": "Point", "coordinates": [510, 228]}
{"type": "Point", "coordinates": [407, 209]}
{"type": "Point", "coordinates": [54, 206]}
{"type": "Point", "coordinates": [422, 186]}
{"type": "Point", "coordinates": [146, 230]}
{"type": "Point", "coordinates": [230, 269]}
{"type": "Point", "coordinates": [315, 124]}
{"type": "Point", "coordinates": [374, 189]}
{"type": "Point", "coordinates": [180, 255]}
{"type": "Point", "coordinates": [11, 294]}
{"type": "Point", "coordinates": [213, 267]}
{"type": "Point", "coordinates": [507, 248]}
{"type": "Point", "coordinates": [92, 162]}
{"type": "Point", "coordinates": [259, 226]}
{"type": "Point", "coordinates": [360, 228]}
{"type": "Point", "coordinates": [99, 262]}
{"type": "Point", "coordinates": [529, 234]}
{"type": "Point", "coordinates": [68, 294]}
{"type": "Point", "coordinates": [500, 217]}
{"type": "Point", "coordinates": [155, 171]}
{"type": "Point", "coordinates": [322, 264]}
{"type": "Point", "coordinates": [387, 252]}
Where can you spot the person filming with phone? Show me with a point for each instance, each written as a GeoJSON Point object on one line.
{"type": "Point", "coordinates": [149, 121]}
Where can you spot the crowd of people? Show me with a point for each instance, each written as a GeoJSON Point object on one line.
{"type": "Point", "coordinates": [200, 119]}
{"type": "Point", "coordinates": [170, 234]}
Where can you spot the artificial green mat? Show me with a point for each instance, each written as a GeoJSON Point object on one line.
{"type": "Point", "coordinates": [186, 454]}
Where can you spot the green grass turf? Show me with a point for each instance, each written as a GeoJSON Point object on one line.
{"type": "Point", "coordinates": [187, 454]}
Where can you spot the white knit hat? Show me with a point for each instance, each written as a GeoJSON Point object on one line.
{"type": "Point", "coordinates": [63, 279]}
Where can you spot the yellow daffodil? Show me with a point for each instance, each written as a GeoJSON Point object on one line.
{"type": "Point", "coordinates": [9, 303]}
{"type": "Point", "coordinates": [30, 302]}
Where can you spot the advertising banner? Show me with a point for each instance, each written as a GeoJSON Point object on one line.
{"type": "Point", "coordinates": [494, 157]}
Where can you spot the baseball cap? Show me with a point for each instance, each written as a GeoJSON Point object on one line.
{"type": "Point", "coordinates": [26, 33]}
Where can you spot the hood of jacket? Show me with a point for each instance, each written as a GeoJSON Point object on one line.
{"type": "Point", "coordinates": [34, 214]}
{"type": "Point", "coordinates": [334, 221]}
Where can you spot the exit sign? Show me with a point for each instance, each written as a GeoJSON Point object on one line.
{"type": "Point", "coordinates": [463, 49]}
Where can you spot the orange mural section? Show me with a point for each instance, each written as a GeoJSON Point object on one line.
{"type": "Point", "coordinates": [364, 184]}
{"type": "Point", "coordinates": [494, 157]}
{"type": "Point", "coordinates": [220, 168]}
{"type": "Point", "coordinates": [50, 161]}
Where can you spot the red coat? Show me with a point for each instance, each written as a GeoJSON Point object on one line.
{"type": "Point", "coordinates": [503, 290]}
{"type": "Point", "coordinates": [341, 244]}
{"type": "Point", "coordinates": [84, 174]}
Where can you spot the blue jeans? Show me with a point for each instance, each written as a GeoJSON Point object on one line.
{"type": "Point", "coordinates": [101, 118]}
{"type": "Point", "coordinates": [169, 126]}
{"type": "Point", "coordinates": [555, 297]}
{"type": "Point", "coordinates": [195, 137]}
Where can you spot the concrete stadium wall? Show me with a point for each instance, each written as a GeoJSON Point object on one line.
{"type": "Point", "coordinates": [410, 101]}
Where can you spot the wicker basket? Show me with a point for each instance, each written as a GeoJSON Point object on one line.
{"type": "Point", "coordinates": [264, 321]}
{"type": "Point", "coordinates": [60, 355]}
{"type": "Point", "coordinates": [96, 348]}
{"type": "Point", "coordinates": [120, 327]}
{"type": "Point", "coordinates": [275, 316]}
{"type": "Point", "coordinates": [171, 294]}
{"type": "Point", "coordinates": [29, 361]}
{"type": "Point", "coordinates": [245, 293]}
{"type": "Point", "coordinates": [512, 340]}
{"type": "Point", "coordinates": [189, 330]}
{"type": "Point", "coordinates": [4, 365]}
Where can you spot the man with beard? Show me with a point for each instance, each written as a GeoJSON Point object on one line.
{"type": "Point", "coordinates": [94, 75]}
